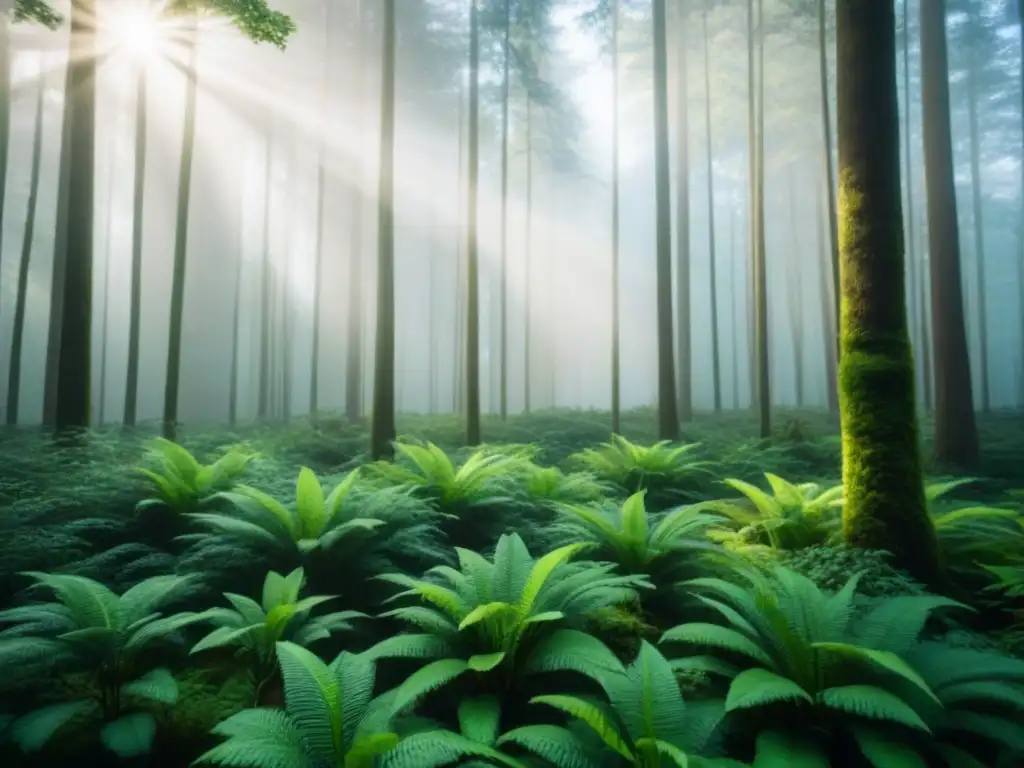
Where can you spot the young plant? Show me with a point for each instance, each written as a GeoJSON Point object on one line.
{"type": "Point", "coordinates": [338, 537]}
{"type": "Point", "coordinates": [673, 548]}
{"type": "Point", "coordinates": [801, 648]}
{"type": "Point", "coordinates": [480, 740]}
{"type": "Point", "coordinates": [256, 628]}
{"type": "Point", "coordinates": [790, 517]}
{"type": "Point", "coordinates": [329, 718]}
{"type": "Point", "coordinates": [669, 472]}
{"type": "Point", "coordinates": [91, 630]}
{"type": "Point", "coordinates": [551, 485]}
{"type": "Point", "coordinates": [646, 724]}
{"type": "Point", "coordinates": [510, 616]}
{"type": "Point", "coordinates": [182, 483]}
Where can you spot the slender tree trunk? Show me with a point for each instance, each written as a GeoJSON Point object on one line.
{"type": "Point", "coordinates": [830, 178]}
{"type": "Point", "coordinates": [472, 266]}
{"type": "Point", "coordinates": [73, 377]}
{"type": "Point", "coordinates": [131, 394]}
{"type": "Point", "coordinates": [459, 388]}
{"type": "Point", "coordinates": [528, 257]}
{"type": "Point", "coordinates": [884, 499]}
{"type": "Point", "coordinates": [354, 343]}
{"type": "Point", "coordinates": [382, 426]}
{"type": "Point", "coordinates": [956, 436]}
{"type": "Point", "coordinates": [716, 363]}
{"type": "Point", "coordinates": [435, 242]}
{"type": "Point", "coordinates": [107, 254]}
{"type": "Point", "coordinates": [321, 194]}
{"type": "Point", "coordinates": [503, 374]}
{"type": "Point", "coordinates": [266, 288]}
{"type": "Point", "coordinates": [236, 319]}
{"type": "Point", "coordinates": [734, 273]}
{"type": "Point", "coordinates": [616, 308]}
{"type": "Point", "coordinates": [764, 395]}
{"type": "Point", "coordinates": [796, 294]}
{"type": "Point", "coordinates": [915, 273]}
{"type": "Point", "coordinates": [979, 227]}
{"type": "Point", "coordinates": [170, 420]}
{"type": "Point", "coordinates": [825, 287]}
{"type": "Point", "coordinates": [684, 377]}
{"type": "Point", "coordinates": [21, 300]}
{"type": "Point", "coordinates": [6, 57]}
{"type": "Point", "coordinates": [668, 414]}
{"type": "Point", "coordinates": [1020, 228]}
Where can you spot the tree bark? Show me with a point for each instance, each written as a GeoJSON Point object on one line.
{"type": "Point", "coordinates": [73, 377]}
{"type": "Point", "coordinates": [884, 494]}
{"type": "Point", "coordinates": [131, 393]}
{"type": "Point", "coordinates": [382, 425]}
{"type": "Point", "coordinates": [684, 342]}
{"type": "Point", "coordinates": [830, 178]}
{"type": "Point", "coordinates": [321, 194]}
{"type": "Point", "coordinates": [616, 309]}
{"type": "Point", "coordinates": [21, 299]}
{"type": "Point", "coordinates": [354, 342]}
{"type": "Point", "coordinates": [503, 299]}
{"type": "Point", "coordinates": [716, 362]}
{"type": "Point", "coordinates": [472, 263]}
{"type": "Point", "coordinates": [978, 223]}
{"type": "Point", "coordinates": [668, 414]}
{"type": "Point", "coordinates": [956, 437]}
{"type": "Point", "coordinates": [528, 258]}
{"type": "Point", "coordinates": [764, 393]}
{"type": "Point", "coordinates": [173, 382]}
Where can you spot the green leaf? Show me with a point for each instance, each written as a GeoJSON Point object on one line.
{"type": "Point", "coordinates": [367, 748]}
{"type": "Point", "coordinates": [309, 504]}
{"type": "Point", "coordinates": [427, 679]}
{"type": "Point", "coordinates": [882, 750]}
{"type": "Point", "coordinates": [480, 719]}
{"type": "Point", "coordinates": [593, 717]}
{"type": "Point", "coordinates": [31, 732]}
{"type": "Point", "coordinates": [313, 699]}
{"type": "Point", "coordinates": [485, 662]}
{"type": "Point", "coordinates": [870, 701]}
{"type": "Point", "coordinates": [131, 735]}
{"type": "Point", "coordinates": [885, 659]}
{"type": "Point", "coordinates": [156, 685]}
{"type": "Point", "coordinates": [758, 687]}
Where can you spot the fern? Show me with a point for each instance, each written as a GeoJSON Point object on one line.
{"type": "Point", "coordinates": [91, 629]}
{"type": "Point", "coordinates": [512, 615]}
{"type": "Point", "coordinates": [329, 718]}
{"type": "Point", "coordinates": [180, 482]}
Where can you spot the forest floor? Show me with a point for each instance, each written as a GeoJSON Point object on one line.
{"type": "Point", "coordinates": [72, 509]}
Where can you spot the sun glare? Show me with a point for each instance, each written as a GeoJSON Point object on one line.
{"type": "Point", "coordinates": [138, 32]}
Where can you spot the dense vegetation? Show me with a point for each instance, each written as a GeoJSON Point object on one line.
{"type": "Point", "coordinates": [274, 598]}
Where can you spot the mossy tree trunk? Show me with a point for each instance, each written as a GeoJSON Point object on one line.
{"type": "Point", "coordinates": [956, 436]}
{"type": "Point", "coordinates": [382, 424]}
{"type": "Point", "coordinates": [885, 504]}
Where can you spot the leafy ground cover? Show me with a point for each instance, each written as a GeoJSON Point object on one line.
{"type": "Point", "coordinates": [556, 597]}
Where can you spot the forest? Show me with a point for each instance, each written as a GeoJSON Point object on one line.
{"type": "Point", "coordinates": [512, 383]}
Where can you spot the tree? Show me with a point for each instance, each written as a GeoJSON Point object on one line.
{"type": "Point", "coordinates": [884, 493]}
{"type": "Point", "coordinates": [668, 415]}
{"type": "Point", "coordinates": [382, 424]}
{"type": "Point", "coordinates": [472, 372]}
{"type": "Point", "coordinates": [716, 365]}
{"type": "Point", "coordinates": [683, 341]}
{"type": "Point", "coordinates": [616, 351]}
{"type": "Point", "coordinates": [956, 437]}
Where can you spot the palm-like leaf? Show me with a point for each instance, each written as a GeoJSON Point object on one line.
{"type": "Point", "coordinates": [512, 613]}
{"type": "Point", "coordinates": [181, 482]}
{"type": "Point", "coordinates": [329, 718]}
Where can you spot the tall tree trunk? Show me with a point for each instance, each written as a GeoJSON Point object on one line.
{"type": "Point", "coordinates": [21, 299]}
{"type": "Point", "coordinates": [73, 377]}
{"type": "Point", "coordinates": [435, 243]}
{"type": "Point", "coordinates": [716, 363]}
{"type": "Point", "coordinates": [616, 309]}
{"type": "Point", "coordinates": [459, 385]}
{"type": "Point", "coordinates": [684, 378]}
{"type": "Point", "coordinates": [528, 258]}
{"type": "Point", "coordinates": [751, 203]}
{"type": "Point", "coordinates": [979, 224]}
{"type": "Point", "coordinates": [884, 499]}
{"type": "Point", "coordinates": [734, 274]}
{"type": "Point", "coordinates": [956, 436]}
{"type": "Point", "coordinates": [503, 299]}
{"type": "Point", "coordinates": [266, 287]}
{"type": "Point", "coordinates": [764, 395]}
{"type": "Point", "coordinates": [170, 419]}
{"type": "Point", "coordinates": [236, 319]}
{"type": "Point", "coordinates": [321, 194]}
{"type": "Point", "coordinates": [6, 58]}
{"type": "Point", "coordinates": [830, 178]}
{"type": "Point", "coordinates": [108, 226]}
{"type": "Point", "coordinates": [131, 393]}
{"type": "Point", "coordinates": [382, 425]}
{"type": "Point", "coordinates": [825, 288]}
{"type": "Point", "coordinates": [472, 266]}
{"type": "Point", "coordinates": [914, 270]}
{"type": "Point", "coordinates": [354, 343]}
{"type": "Point", "coordinates": [1020, 228]}
{"type": "Point", "coordinates": [796, 294]}
{"type": "Point", "coordinates": [668, 414]}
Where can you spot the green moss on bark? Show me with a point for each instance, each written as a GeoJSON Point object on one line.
{"type": "Point", "coordinates": [885, 504]}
